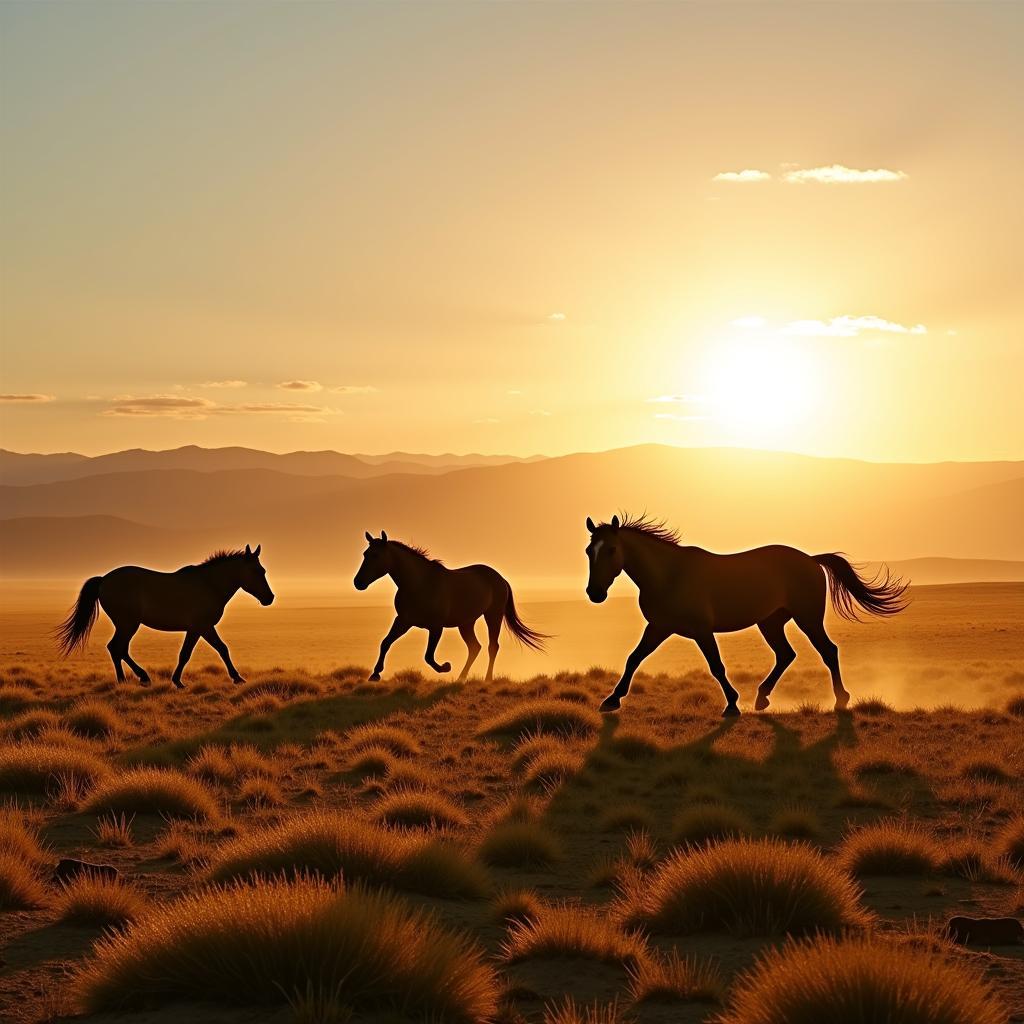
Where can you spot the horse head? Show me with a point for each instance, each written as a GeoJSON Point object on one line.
{"type": "Point", "coordinates": [254, 577]}
{"type": "Point", "coordinates": [606, 558]}
{"type": "Point", "coordinates": [376, 561]}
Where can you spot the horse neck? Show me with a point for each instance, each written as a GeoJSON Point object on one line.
{"type": "Point", "coordinates": [409, 568]}
{"type": "Point", "coordinates": [222, 578]}
{"type": "Point", "coordinates": [645, 559]}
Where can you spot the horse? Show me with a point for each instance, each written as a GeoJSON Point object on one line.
{"type": "Point", "coordinates": [191, 600]}
{"type": "Point", "coordinates": [434, 597]}
{"type": "Point", "coordinates": [696, 593]}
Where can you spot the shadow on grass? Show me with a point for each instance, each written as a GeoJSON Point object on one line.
{"type": "Point", "coordinates": [299, 721]}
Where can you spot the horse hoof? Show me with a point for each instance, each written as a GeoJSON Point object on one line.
{"type": "Point", "coordinates": [178, 684]}
{"type": "Point", "coordinates": [446, 667]}
{"type": "Point", "coordinates": [842, 702]}
{"type": "Point", "coordinates": [238, 680]}
{"type": "Point", "coordinates": [761, 703]}
{"type": "Point", "coordinates": [375, 678]}
{"type": "Point", "coordinates": [611, 703]}
{"type": "Point", "coordinates": [731, 711]}
{"type": "Point", "coordinates": [143, 680]}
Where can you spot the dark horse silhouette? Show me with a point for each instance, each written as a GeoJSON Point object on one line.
{"type": "Point", "coordinates": [434, 597]}
{"type": "Point", "coordinates": [696, 593]}
{"type": "Point", "coordinates": [191, 600]}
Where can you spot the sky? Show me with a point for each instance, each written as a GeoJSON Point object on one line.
{"type": "Point", "coordinates": [520, 228]}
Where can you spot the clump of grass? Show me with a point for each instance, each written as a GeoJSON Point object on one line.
{"type": "Point", "coordinates": [626, 817]}
{"type": "Point", "coordinates": [519, 844]}
{"type": "Point", "coordinates": [180, 843]}
{"type": "Point", "coordinates": [970, 859]}
{"type": "Point", "coordinates": [861, 980]}
{"type": "Point", "coordinates": [517, 906]}
{"type": "Point", "coordinates": [29, 724]}
{"type": "Point", "coordinates": [20, 887]}
{"type": "Point", "coordinates": [883, 764]}
{"type": "Point", "coordinates": [673, 978]}
{"type": "Point", "coordinates": [873, 707]}
{"type": "Point", "coordinates": [14, 697]}
{"type": "Point", "coordinates": [417, 808]}
{"type": "Point", "coordinates": [553, 768]}
{"type": "Point", "coordinates": [544, 715]}
{"type": "Point", "coordinates": [635, 744]}
{"type": "Point", "coordinates": [94, 719]}
{"type": "Point", "coordinates": [260, 791]}
{"type": "Point", "coordinates": [1015, 706]}
{"type": "Point", "coordinates": [36, 768]}
{"type": "Point", "coordinates": [568, 1012]}
{"type": "Point", "coordinates": [225, 765]}
{"type": "Point", "coordinates": [533, 745]}
{"type": "Point", "coordinates": [154, 791]}
{"type": "Point", "coordinates": [333, 843]}
{"type": "Point", "coordinates": [281, 688]}
{"type": "Point", "coordinates": [706, 822]}
{"type": "Point", "coordinates": [566, 931]}
{"type": "Point", "coordinates": [371, 762]}
{"type": "Point", "coordinates": [399, 741]}
{"type": "Point", "coordinates": [114, 831]}
{"type": "Point", "coordinates": [890, 847]}
{"type": "Point", "coordinates": [1011, 842]}
{"type": "Point", "coordinates": [271, 942]}
{"type": "Point", "coordinates": [984, 770]}
{"type": "Point", "coordinates": [408, 775]}
{"type": "Point", "coordinates": [796, 823]}
{"type": "Point", "coordinates": [92, 900]}
{"type": "Point", "coordinates": [17, 837]}
{"type": "Point", "coordinates": [747, 887]}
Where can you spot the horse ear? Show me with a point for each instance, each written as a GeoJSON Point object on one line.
{"type": "Point", "coordinates": [368, 535]}
{"type": "Point", "coordinates": [247, 551]}
{"type": "Point", "coordinates": [259, 548]}
{"type": "Point", "coordinates": [615, 522]}
{"type": "Point", "coordinates": [383, 536]}
{"type": "Point", "coordinates": [590, 524]}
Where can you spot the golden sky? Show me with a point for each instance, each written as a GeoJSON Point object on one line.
{"type": "Point", "coordinates": [513, 228]}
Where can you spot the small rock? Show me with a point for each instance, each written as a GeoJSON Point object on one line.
{"type": "Point", "coordinates": [985, 931]}
{"type": "Point", "coordinates": [69, 869]}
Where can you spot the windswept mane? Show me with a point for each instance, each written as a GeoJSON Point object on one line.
{"type": "Point", "coordinates": [644, 524]}
{"type": "Point", "coordinates": [222, 556]}
{"type": "Point", "coordinates": [417, 549]}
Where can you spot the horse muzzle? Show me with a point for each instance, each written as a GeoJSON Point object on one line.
{"type": "Point", "coordinates": [597, 596]}
{"type": "Point", "coordinates": [359, 584]}
{"type": "Point", "coordinates": [267, 601]}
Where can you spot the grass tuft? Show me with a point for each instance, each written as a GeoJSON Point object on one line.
{"type": "Point", "coordinates": [93, 719]}
{"type": "Point", "coordinates": [543, 715]}
{"type": "Point", "coordinates": [37, 768]}
{"type": "Point", "coordinates": [706, 822]}
{"type": "Point", "coordinates": [19, 838]}
{"type": "Point", "coordinates": [517, 906]}
{"type": "Point", "coordinates": [399, 741]}
{"type": "Point", "coordinates": [673, 978]}
{"type": "Point", "coordinates": [154, 791]}
{"type": "Point", "coordinates": [567, 931]}
{"type": "Point", "coordinates": [91, 900]}
{"type": "Point", "coordinates": [1011, 843]}
{"type": "Point", "coordinates": [416, 808]}
{"type": "Point", "coordinates": [114, 831]}
{"type": "Point", "coordinates": [20, 887]}
{"type": "Point", "coordinates": [519, 844]}
{"type": "Point", "coordinates": [569, 1012]}
{"type": "Point", "coordinates": [890, 847]}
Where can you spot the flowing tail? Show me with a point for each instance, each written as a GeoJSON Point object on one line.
{"type": "Point", "coordinates": [519, 629]}
{"type": "Point", "coordinates": [74, 631]}
{"type": "Point", "coordinates": [882, 595]}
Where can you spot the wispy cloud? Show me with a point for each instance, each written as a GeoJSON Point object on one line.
{"type": "Point", "coordinates": [183, 407]}
{"type": "Point", "coordinates": [838, 174]}
{"type": "Point", "coordinates": [848, 327]}
{"type": "Point", "coordinates": [354, 389]}
{"type": "Point", "coordinates": [27, 398]}
{"type": "Point", "coordinates": [225, 384]}
{"type": "Point", "coordinates": [742, 177]}
{"type": "Point", "coordinates": [557, 317]}
{"type": "Point", "coordinates": [300, 385]}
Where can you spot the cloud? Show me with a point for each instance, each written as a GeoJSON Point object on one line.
{"type": "Point", "coordinates": [354, 389]}
{"type": "Point", "coordinates": [225, 384]}
{"type": "Point", "coordinates": [27, 398]}
{"type": "Point", "coordinates": [557, 317]}
{"type": "Point", "coordinates": [747, 175]}
{"type": "Point", "coordinates": [664, 399]}
{"type": "Point", "coordinates": [837, 174]}
{"type": "Point", "coordinates": [273, 407]}
{"type": "Point", "coordinates": [300, 385]}
{"type": "Point", "coordinates": [848, 327]}
{"type": "Point", "coordinates": [185, 408]}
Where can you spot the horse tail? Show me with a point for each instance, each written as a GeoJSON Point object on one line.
{"type": "Point", "coordinates": [884, 594]}
{"type": "Point", "coordinates": [519, 629]}
{"type": "Point", "coordinates": [74, 631]}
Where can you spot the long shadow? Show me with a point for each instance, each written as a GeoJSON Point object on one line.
{"type": "Point", "coordinates": [299, 721]}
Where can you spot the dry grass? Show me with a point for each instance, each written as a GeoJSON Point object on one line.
{"type": "Point", "coordinates": [260, 791]}
{"type": "Point", "coordinates": [512, 906]}
{"type": "Point", "coordinates": [226, 765]}
{"type": "Point", "coordinates": [566, 931]}
{"type": "Point", "coordinates": [796, 823]}
{"type": "Point", "coordinates": [20, 887]}
{"type": "Point", "coordinates": [674, 978]}
{"type": "Point", "coordinates": [519, 844]}
{"type": "Point", "coordinates": [333, 843]}
{"type": "Point", "coordinates": [94, 719]}
{"type": "Point", "coordinates": [154, 791]}
{"type": "Point", "coordinates": [114, 831]}
{"type": "Point", "coordinates": [567, 1011]}
{"type": "Point", "coordinates": [38, 768]}
{"type": "Point", "coordinates": [18, 837]}
{"type": "Point", "coordinates": [90, 900]}
{"type": "Point", "coordinates": [1011, 843]}
{"type": "Point", "coordinates": [29, 724]}
{"type": "Point", "coordinates": [399, 741]}
{"type": "Point", "coordinates": [984, 770]}
{"type": "Point", "coordinates": [544, 715]}
{"type": "Point", "coordinates": [705, 822]}
{"type": "Point", "coordinates": [860, 982]}
{"type": "Point", "coordinates": [371, 762]}
{"type": "Point", "coordinates": [275, 941]}
{"type": "Point", "coordinates": [746, 887]}
{"type": "Point", "coordinates": [626, 817]}
{"type": "Point", "coordinates": [635, 744]}
{"type": "Point", "coordinates": [281, 688]}
{"type": "Point", "coordinates": [416, 808]}
{"type": "Point", "coordinates": [890, 847]}
{"type": "Point", "coordinates": [551, 769]}
{"type": "Point", "coordinates": [181, 844]}
{"type": "Point", "coordinates": [14, 697]}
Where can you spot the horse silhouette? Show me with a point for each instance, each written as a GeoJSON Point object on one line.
{"type": "Point", "coordinates": [695, 593]}
{"type": "Point", "coordinates": [191, 600]}
{"type": "Point", "coordinates": [434, 597]}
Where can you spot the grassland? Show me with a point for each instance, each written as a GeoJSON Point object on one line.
{"type": "Point", "coordinates": [523, 859]}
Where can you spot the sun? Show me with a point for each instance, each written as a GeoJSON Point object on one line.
{"type": "Point", "coordinates": [764, 386]}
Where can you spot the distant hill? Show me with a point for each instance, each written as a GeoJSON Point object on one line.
{"type": "Point", "coordinates": [929, 571]}
{"type": "Point", "coordinates": [525, 517]}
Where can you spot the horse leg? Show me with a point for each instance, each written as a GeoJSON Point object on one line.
{"type": "Point", "coordinates": [398, 628]}
{"type": "Point", "coordinates": [433, 639]}
{"type": "Point", "coordinates": [652, 639]}
{"type": "Point", "coordinates": [191, 639]}
{"type": "Point", "coordinates": [709, 648]}
{"type": "Point", "coordinates": [132, 664]}
{"type": "Point", "coordinates": [773, 629]}
{"type": "Point", "coordinates": [212, 637]}
{"type": "Point", "coordinates": [468, 631]}
{"type": "Point", "coordinates": [814, 628]}
{"type": "Point", "coordinates": [493, 619]}
{"type": "Point", "coordinates": [118, 647]}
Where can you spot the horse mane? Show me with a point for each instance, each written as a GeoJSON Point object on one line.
{"type": "Point", "coordinates": [417, 549]}
{"type": "Point", "coordinates": [223, 555]}
{"type": "Point", "coordinates": [645, 524]}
